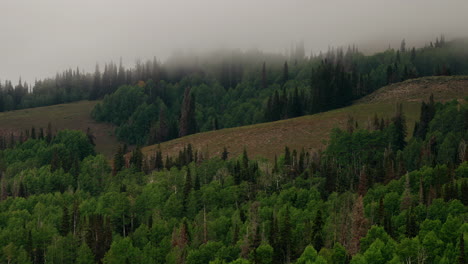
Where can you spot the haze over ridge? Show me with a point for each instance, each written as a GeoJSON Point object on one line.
{"type": "Point", "coordinates": [40, 38]}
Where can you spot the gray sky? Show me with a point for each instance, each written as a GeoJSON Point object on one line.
{"type": "Point", "coordinates": [40, 37]}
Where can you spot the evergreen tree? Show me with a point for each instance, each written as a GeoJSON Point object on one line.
{"type": "Point", "coordinates": [224, 155]}
{"type": "Point", "coordinates": [137, 159]}
{"type": "Point", "coordinates": [400, 132]}
{"type": "Point", "coordinates": [285, 77]}
{"type": "Point", "coordinates": [264, 77]}
{"type": "Point", "coordinates": [49, 133]}
{"type": "Point", "coordinates": [187, 189]}
{"type": "Point", "coordinates": [411, 225]}
{"type": "Point", "coordinates": [162, 131]}
{"type": "Point", "coordinates": [317, 236]}
{"type": "Point", "coordinates": [96, 87]}
{"type": "Point", "coordinates": [285, 236]}
{"type": "Point", "coordinates": [462, 257]}
{"type": "Point", "coordinates": [119, 160]}
{"type": "Point", "coordinates": [33, 133]}
{"type": "Point", "coordinates": [65, 227]}
{"type": "Point", "coordinates": [187, 123]}
{"type": "Point", "coordinates": [158, 164]}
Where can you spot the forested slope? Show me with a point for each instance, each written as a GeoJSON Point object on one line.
{"type": "Point", "coordinates": [370, 197]}
{"type": "Point", "coordinates": [76, 116]}
{"type": "Point", "coordinates": [312, 131]}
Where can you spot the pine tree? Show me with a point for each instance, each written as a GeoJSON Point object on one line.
{"type": "Point", "coordinates": [224, 155]}
{"type": "Point", "coordinates": [65, 227]}
{"type": "Point", "coordinates": [96, 87]}
{"type": "Point", "coordinates": [285, 236]}
{"type": "Point", "coordinates": [41, 133]}
{"type": "Point", "coordinates": [400, 132]}
{"type": "Point", "coordinates": [317, 236]}
{"type": "Point", "coordinates": [158, 163]}
{"type": "Point", "coordinates": [187, 189]}
{"type": "Point", "coordinates": [137, 159]}
{"type": "Point", "coordinates": [264, 78]}
{"type": "Point", "coordinates": [187, 123]}
{"type": "Point", "coordinates": [381, 213]}
{"type": "Point", "coordinates": [196, 185]}
{"type": "Point", "coordinates": [49, 133]}
{"type": "Point", "coordinates": [33, 133]}
{"type": "Point", "coordinates": [55, 162]}
{"type": "Point", "coordinates": [245, 159]}
{"type": "Point", "coordinates": [162, 131]}
{"type": "Point", "coordinates": [411, 225]}
{"type": "Point", "coordinates": [287, 157]}
{"type": "Point", "coordinates": [119, 160]}
{"type": "Point", "coordinates": [462, 257]}
{"type": "Point", "coordinates": [90, 136]}
{"type": "Point", "coordinates": [285, 73]}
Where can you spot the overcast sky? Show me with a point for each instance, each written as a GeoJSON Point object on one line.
{"type": "Point", "coordinates": [40, 37]}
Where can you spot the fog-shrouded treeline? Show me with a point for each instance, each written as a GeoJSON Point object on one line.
{"type": "Point", "coordinates": [189, 94]}
{"type": "Point", "coordinates": [370, 197]}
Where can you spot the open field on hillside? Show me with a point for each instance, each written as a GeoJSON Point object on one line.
{"type": "Point", "coordinates": [443, 87]}
{"type": "Point", "coordinates": [267, 139]}
{"type": "Point", "coordinates": [312, 132]}
{"type": "Point", "coordinates": [64, 116]}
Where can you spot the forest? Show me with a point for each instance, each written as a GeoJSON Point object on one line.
{"type": "Point", "coordinates": [374, 195]}
{"type": "Point", "coordinates": [154, 102]}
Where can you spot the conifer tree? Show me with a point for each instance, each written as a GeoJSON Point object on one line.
{"type": "Point", "coordinates": [65, 227]}
{"type": "Point", "coordinates": [49, 133]}
{"type": "Point", "coordinates": [285, 236]}
{"type": "Point", "coordinates": [264, 77]}
{"type": "Point", "coordinates": [119, 160]}
{"type": "Point", "coordinates": [462, 257]}
{"type": "Point", "coordinates": [317, 236]}
{"type": "Point", "coordinates": [158, 163]}
{"type": "Point", "coordinates": [400, 132]}
{"type": "Point", "coordinates": [137, 159]}
{"type": "Point", "coordinates": [187, 189]}
{"type": "Point", "coordinates": [285, 77]}
{"type": "Point", "coordinates": [33, 133]}
{"type": "Point", "coordinates": [187, 123]}
{"type": "Point", "coordinates": [224, 155]}
{"type": "Point", "coordinates": [96, 87]}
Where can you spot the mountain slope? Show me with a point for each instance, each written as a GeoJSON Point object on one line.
{"type": "Point", "coordinates": [311, 132]}
{"type": "Point", "coordinates": [63, 116]}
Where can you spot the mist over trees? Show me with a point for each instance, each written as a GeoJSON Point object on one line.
{"type": "Point", "coordinates": [248, 88]}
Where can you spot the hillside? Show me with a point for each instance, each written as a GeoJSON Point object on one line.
{"type": "Point", "coordinates": [268, 139]}
{"type": "Point", "coordinates": [63, 116]}
{"type": "Point", "coordinates": [443, 88]}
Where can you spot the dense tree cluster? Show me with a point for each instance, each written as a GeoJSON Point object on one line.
{"type": "Point", "coordinates": [249, 88]}
{"type": "Point", "coordinates": [365, 199]}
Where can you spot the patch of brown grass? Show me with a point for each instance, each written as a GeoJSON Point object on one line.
{"type": "Point", "coordinates": [64, 116]}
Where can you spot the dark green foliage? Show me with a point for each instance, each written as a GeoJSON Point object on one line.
{"type": "Point", "coordinates": [187, 190]}
{"type": "Point", "coordinates": [461, 256]}
{"type": "Point", "coordinates": [187, 122]}
{"type": "Point", "coordinates": [317, 227]}
{"type": "Point", "coordinates": [399, 129]}
{"type": "Point", "coordinates": [224, 155]}
{"type": "Point", "coordinates": [65, 227]}
{"type": "Point", "coordinates": [237, 210]}
{"type": "Point", "coordinates": [119, 160]}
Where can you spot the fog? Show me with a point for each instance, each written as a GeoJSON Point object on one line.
{"type": "Point", "coordinates": [39, 38]}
